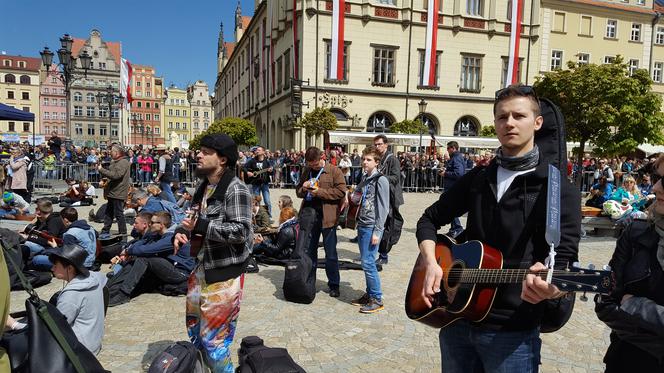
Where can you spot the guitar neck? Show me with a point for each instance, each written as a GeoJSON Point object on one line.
{"type": "Point", "coordinates": [509, 276]}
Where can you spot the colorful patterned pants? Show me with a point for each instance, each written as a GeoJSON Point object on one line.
{"type": "Point", "coordinates": [212, 311]}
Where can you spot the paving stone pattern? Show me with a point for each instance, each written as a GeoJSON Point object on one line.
{"type": "Point", "coordinates": [330, 335]}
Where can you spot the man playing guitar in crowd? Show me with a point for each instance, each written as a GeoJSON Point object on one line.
{"type": "Point", "coordinates": [224, 223]}
{"type": "Point", "coordinates": [501, 214]}
{"type": "Point", "coordinates": [258, 171]}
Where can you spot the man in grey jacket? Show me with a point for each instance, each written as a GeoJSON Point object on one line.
{"type": "Point", "coordinates": [116, 191]}
{"type": "Point", "coordinates": [390, 168]}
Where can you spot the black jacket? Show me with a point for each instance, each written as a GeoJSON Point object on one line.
{"type": "Point", "coordinates": [53, 226]}
{"type": "Point", "coordinates": [391, 168]}
{"type": "Point", "coordinates": [515, 226]}
{"type": "Point", "coordinates": [638, 324]}
{"type": "Point", "coordinates": [284, 245]}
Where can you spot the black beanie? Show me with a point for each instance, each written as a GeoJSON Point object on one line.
{"type": "Point", "coordinates": [224, 145]}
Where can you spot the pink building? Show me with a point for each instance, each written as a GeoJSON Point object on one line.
{"type": "Point", "coordinates": [52, 104]}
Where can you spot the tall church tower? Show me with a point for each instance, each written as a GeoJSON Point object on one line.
{"type": "Point", "coordinates": [221, 49]}
{"type": "Point", "coordinates": [238, 23]}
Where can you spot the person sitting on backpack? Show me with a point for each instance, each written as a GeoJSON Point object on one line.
{"type": "Point", "coordinates": [80, 233]}
{"type": "Point", "coordinates": [282, 247]}
{"type": "Point", "coordinates": [48, 222]}
{"type": "Point", "coordinates": [13, 204]}
{"type": "Point", "coordinates": [81, 301]}
{"type": "Point", "coordinates": [600, 192]}
{"type": "Point", "coordinates": [150, 263]}
{"type": "Point", "coordinates": [261, 216]}
{"type": "Point", "coordinates": [150, 203]}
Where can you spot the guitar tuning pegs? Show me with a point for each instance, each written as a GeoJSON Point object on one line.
{"type": "Point", "coordinates": [591, 267]}
{"type": "Point", "coordinates": [606, 268]}
{"type": "Point", "coordinates": [583, 297]}
{"type": "Point", "coordinates": [576, 264]}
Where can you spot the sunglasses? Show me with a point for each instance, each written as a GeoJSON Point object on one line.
{"type": "Point", "coordinates": [524, 90]}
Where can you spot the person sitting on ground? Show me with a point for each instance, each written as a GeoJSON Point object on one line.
{"type": "Point", "coordinates": [600, 192]}
{"type": "Point", "coordinates": [261, 215]}
{"type": "Point", "coordinates": [156, 191]}
{"type": "Point", "coordinates": [79, 233]}
{"type": "Point", "coordinates": [629, 194]}
{"type": "Point", "coordinates": [282, 247]}
{"type": "Point", "coordinates": [13, 204]}
{"type": "Point", "coordinates": [80, 193]}
{"type": "Point", "coordinates": [185, 200]}
{"type": "Point", "coordinates": [81, 301]}
{"type": "Point", "coordinates": [141, 228]}
{"type": "Point", "coordinates": [152, 263]}
{"type": "Point", "coordinates": [48, 222]}
{"type": "Point", "coordinates": [284, 201]}
{"type": "Point", "coordinates": [153, 204]}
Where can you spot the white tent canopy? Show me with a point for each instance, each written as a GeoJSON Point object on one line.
{"type": "Point", "coordinates": [651, 149]}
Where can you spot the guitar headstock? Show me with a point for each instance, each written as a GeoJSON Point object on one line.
{"type": "Point", "coordinates": [584, 279]}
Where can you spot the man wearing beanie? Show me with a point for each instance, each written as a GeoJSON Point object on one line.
{"type": "Point", "coordinates": [224, 224]}
{"type": "Point", "coordinates": [13, 204]}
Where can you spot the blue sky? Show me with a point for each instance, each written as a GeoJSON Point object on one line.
{"type": "Point", "coordinates": [178, 38]}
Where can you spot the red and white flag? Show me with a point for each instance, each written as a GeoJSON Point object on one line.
{"type": "Point", "coordinates": [515, 37]}
{"type": "Point", "coordinates": [270, 16]}
{"type": "Point", "coordinates": [429, 71]}
{"type": "Point", "coordinates": [125, 81]}
{"type": "Point", "coordinates": [295, 59]}
{"type": "Point", "coordinates": [336, 70]}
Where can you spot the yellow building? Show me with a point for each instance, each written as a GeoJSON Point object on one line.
{"type": "Point", "coordinates": [19, 87]}
{"type": "Point", "coordinates": [176, 117]}
{"type": "Point", "coordinates": [201, 107]}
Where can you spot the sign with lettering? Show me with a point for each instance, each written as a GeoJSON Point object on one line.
{"type": "Point", "coordinates": [340, 101]}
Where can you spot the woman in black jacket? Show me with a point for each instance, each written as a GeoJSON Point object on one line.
{"type": "Point", "coordinates": [635, 308]}
{"type": "Point", "coordinates": [282, 247]}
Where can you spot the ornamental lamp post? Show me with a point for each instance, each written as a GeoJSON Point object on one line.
{"type": "Point", "coordinates": [108, 98]}
{"type": "Point", "coordinates": [66, 69]}
{"type": "Point", "coordinates": [423, 108]}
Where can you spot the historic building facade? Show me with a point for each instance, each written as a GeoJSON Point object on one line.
{"type": "Point", "coordinates": [19, 87]}
{"type": "Point", "coordinates": [53, 103]}
{"type": "Point", "coordinates": [380, 81]}
{"type": "Point", "coordinates": [177, 121]}
{"type": "Point", "coordinates": [145, 121]}
{"type": "Point", "coordinates": [201, 112]}
{"type": "Point", "coordinates": [91, 122]}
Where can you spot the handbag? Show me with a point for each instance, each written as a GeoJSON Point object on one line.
{"type": "Point", "coordinates": [50, 340]}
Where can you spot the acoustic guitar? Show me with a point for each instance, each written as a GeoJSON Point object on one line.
{"type": "Point", "coordinates": [352, 208]}
{"type": "Point", "coordinates": [44, 235]}
{"type": "Point", "coordinates": [472, 272]}
{"type": "Point", "coordinates": [195, 239]}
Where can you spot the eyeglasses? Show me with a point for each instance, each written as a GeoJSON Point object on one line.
{"type": "Point", "coordinates": [524, 90]}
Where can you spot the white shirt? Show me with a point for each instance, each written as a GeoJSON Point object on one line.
{"type": "Point", "coordinates": [505, 178]}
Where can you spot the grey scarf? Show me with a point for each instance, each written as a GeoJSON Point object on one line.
{"type": "Point", "coordinates": [659, 228]}
{"type": "Point", "coordinates": [525, 162]}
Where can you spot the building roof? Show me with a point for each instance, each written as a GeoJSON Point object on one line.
{"type": "Point", "coordinates": [230, 47]}
{"type": "Point", "coordinates": [659, 7]}
{"type": "Point", "coordinates": [605, 4]}
{"type": "Point", "coordinates": [31, 63]}
{"type": "Point", "coordinates": [114, 47]}
{"type": "Point", "coordinates": [245, 22]}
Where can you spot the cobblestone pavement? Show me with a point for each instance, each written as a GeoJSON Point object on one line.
{"type": "Point", "coordinates": [330, 335]}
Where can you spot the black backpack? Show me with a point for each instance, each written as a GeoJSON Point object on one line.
{"type": "Point", "coordinates": [300, 273]}
{"type": "Point", "coordinates": [255, 357]}
{"type": "Point", "coordinates": [180, 357]}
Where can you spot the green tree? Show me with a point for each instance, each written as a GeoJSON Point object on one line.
{"type": "Point", "coordinates": [240, 130]}
{"type": "Point", "coordinates": [318, 121]}
{"type": "Point", "coordinates": [604, 105]}
{"type": "Point", "coordinates": [488, 131]}
{"type": "Point", "coordinates": [409, 127]}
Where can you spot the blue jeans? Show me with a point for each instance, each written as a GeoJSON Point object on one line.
{"type": "Point", "coordinates": [166, 187]}
{"type": "Point", "coordinates": [265, 190]}
{"type": "Point", "coordinates": [368, 256]}
{"type": "Point", "coordinates": [40, 261]}
{"type": "Point", "coordinates": [330, 245]}
{"type": "Point", "coordinates": [4, 212]}
{"type": "Point", "coordinates": [144, 176]}
{"type": "Point", "coordinates": [471, 349]}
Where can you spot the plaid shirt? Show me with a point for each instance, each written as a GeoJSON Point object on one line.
{"type": "Point", "coordinates": [226, 224]}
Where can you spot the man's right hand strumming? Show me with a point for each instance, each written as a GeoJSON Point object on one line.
{"type": "Point", "coordinates": [433, 273]}
{"type": "Point", "coordinates": [179, 240]}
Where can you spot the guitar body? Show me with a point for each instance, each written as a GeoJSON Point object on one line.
{"type": "Point", "coordinates": [351, 215]}
{"type": "Point", "coordinates": [455, 300]}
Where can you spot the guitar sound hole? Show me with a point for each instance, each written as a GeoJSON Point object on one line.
{"type": "Point", "coordinates": [454, 277]}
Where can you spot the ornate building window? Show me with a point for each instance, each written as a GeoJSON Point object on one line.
{"type": "Point", "coordinates": [379, 122]}
{"type": "Point", "coordinates": [466, 126]}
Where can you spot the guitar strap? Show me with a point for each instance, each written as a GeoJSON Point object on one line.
{"type": "Point", "coordinates": [552, 234]}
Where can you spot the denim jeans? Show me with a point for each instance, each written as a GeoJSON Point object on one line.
{"type": "Point", "coordinates": [470, 349]}
{"type": "Point", "coordinates": [263, 189]}
{"type": "Point", "coordinates": [4, 212]}
{"type": "Point", "coordinates": [39, 262]}
{"type": "Point", "coordinates": [166, 187]}
{"type": "Point", "coordinates": [368, 256]}
{"type": "Point", "coordinates": [145, 176]}
{"type": "Point", "coordinates": [330, 245]}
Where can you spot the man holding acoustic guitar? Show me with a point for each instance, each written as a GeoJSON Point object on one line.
{"type": "Point", "coordinates": [506, 206]}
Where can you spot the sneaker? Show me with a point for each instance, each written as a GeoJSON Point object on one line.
{"type": "Point", "coordinates": [334, 292]}
{"type": "Point", "coordinates": [382, 260]}
{"type": "Point", "coordinates": [361, 301]}
{"type": "Point", "coordinates": [374, 305]}
{"type": "Point", "coordinates": [353, 240]}
{"type": "Point", "coordinates": [104, 236]}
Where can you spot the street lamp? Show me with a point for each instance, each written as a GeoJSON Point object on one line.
{"type": "Point", "coordinates": [139, 126]}
{"type": "Point", "coordinates": [108, 98]}
{"type": "Point", "coordinates": [423, 108]}
{"type": "Point", "coordinates": [65, 70]}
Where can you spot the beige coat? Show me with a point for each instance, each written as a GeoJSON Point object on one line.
{"type": "Point", "coordinates": [19, 173]}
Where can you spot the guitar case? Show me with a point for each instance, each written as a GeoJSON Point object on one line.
{"type": "Point", "coordinates": [300, 273]}
{"type": "Point", "coordinates": [551, 141]}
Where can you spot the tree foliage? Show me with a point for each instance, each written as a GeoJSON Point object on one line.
{"type": "Point", "coordinates": [318, 121]}
{"type": "Point", "coordinates": [242, 131]}
{"type": "Point", "coordinates": [488, 131]}
{"type": "Point", "coordinates": [409, 127]}
{"type": "Point", "coordinates": [604, 105]}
